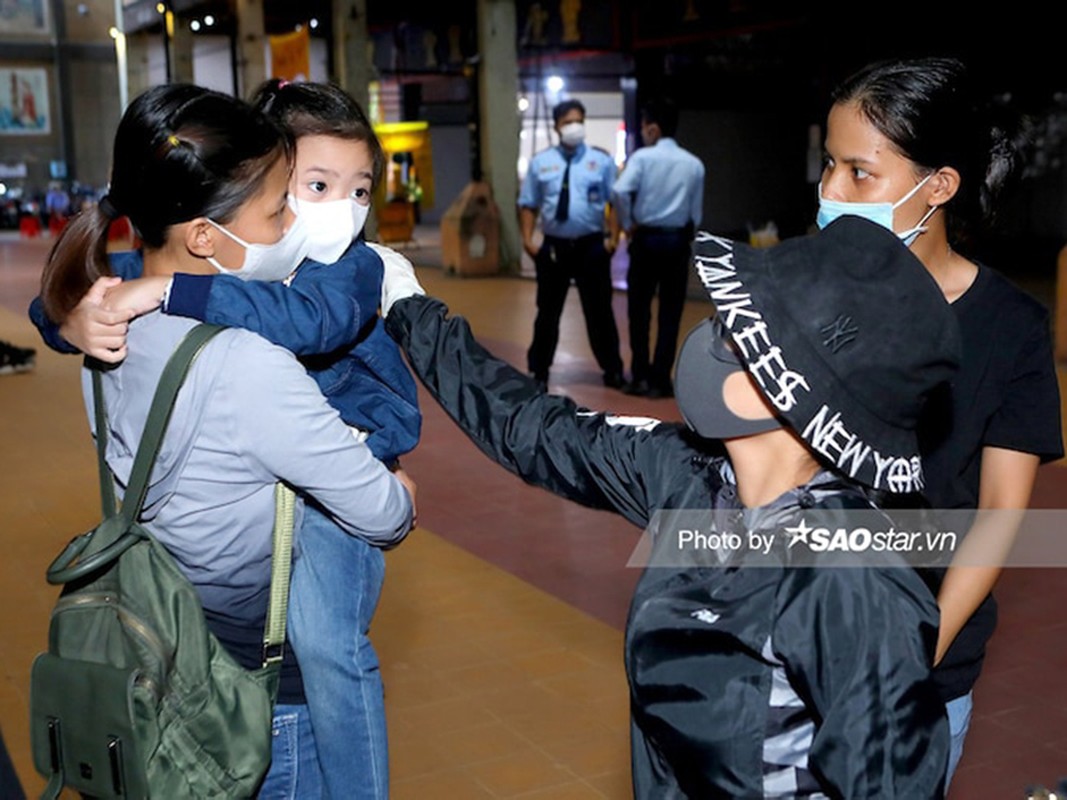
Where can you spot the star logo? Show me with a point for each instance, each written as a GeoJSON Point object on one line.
{"type": "Point", "coordinates": [706, 615]}
{"type": "Point", "coordinates": [799, 533]}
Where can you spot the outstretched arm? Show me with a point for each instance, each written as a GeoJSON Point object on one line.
{"type": "Point", "coordinates": [598, 460]}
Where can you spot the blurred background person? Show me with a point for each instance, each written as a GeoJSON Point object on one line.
{"type": "Point", "coordinates": [659, 198]}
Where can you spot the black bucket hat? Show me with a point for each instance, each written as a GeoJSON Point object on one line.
{"type": "Point", "coordinates": [845, 333]}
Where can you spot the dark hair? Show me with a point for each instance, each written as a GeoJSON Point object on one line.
{"type": "Point", "coordinates": [929, 110]}
{"type": "Point", "coordinates": [562, 109]}
{"type": "Point", "coordinates": [663, 113]}
{"type": "Point", "coordinates": [319, 109]}
{"type": "Point", "coordinates": [180, 152]}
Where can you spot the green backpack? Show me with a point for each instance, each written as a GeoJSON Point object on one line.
{"type": "Point", "coordinates": [135, 697]}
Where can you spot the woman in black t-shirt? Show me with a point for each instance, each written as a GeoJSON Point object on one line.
{"type": "Point", "coordinates": [908, 146]}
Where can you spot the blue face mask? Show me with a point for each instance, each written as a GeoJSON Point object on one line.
{"type": "Point", "coordinates": [879, 213]}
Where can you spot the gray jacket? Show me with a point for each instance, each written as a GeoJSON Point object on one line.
{"type": "Point", "coordinates": [247, 416]}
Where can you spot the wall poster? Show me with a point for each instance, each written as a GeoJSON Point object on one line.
{"type": "Point", "coordinates": [23, 17]}
{"type": "Point", "coordinates": [24, 101]}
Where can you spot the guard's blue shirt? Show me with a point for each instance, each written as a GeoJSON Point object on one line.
{"type": "Point", "coordinates": [592, 175]}
{"type": "Point", "coordinates": [661, 186]}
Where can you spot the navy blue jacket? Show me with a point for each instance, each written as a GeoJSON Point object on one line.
{"type": "Point", "coordinates": [328, 316]}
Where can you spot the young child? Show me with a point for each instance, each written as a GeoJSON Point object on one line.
{"type": "Point", "coordinates": [327, 313]}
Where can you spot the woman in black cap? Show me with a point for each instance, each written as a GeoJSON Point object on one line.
{"type": "Point", "coordinates": [909, 146]}
{"type": "Point", "coordinates": [776, 679]}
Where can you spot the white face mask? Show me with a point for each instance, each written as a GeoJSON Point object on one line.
{"type": "Point", "coordinates": [267, 262]}
{"type": "Point", "coordinates": [572, 134]}
{"type": "Point", "coordinates": [331, 226]}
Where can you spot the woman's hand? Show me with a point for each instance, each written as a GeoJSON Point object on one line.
{"type": "Point", "coordinates": [94, 327]}
{"type": "Point", "coordinates": [409, 484]}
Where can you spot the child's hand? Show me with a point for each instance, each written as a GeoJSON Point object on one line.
{"type": "Point", "coordinates": [137, 296]}
{"type": "Point", "coordinates": [96, 330]}
{"type": "Point", "coordinates": [399, 280]}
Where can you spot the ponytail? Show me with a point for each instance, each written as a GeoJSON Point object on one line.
{"type": "Point", "coordinates": [77, 259]}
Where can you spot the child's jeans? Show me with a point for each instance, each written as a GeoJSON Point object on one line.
{"type": "Point", "coordinates": [336, 583]}
{"type": "Point", "coordinates": [959, 721]}
{"type": "Point", "coordinates": [295, 773]}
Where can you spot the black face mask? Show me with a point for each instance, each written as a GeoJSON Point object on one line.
{"type": "Point", "coordinates": [704, 363]}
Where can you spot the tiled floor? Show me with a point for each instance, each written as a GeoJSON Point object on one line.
{"type": "Point", "coordinates": [500, 628]}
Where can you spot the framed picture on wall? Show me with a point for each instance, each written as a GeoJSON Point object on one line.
{"type": "Point", "coordinates": [23, 17]}
{"type": "Point", "coordinates": [24, 101]}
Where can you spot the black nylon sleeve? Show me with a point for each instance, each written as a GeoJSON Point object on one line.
{"type": "Point", "coordinates": [592, 458]}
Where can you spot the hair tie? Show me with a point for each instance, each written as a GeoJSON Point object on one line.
{"type": "Point", "coordinates": [107, 208]}
{"type": "Point", "coordinates": [173, 140]}
{"type": "Point", "coordinates": [282, 83]}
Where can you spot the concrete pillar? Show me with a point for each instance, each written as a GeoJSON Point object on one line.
{"type": "Point", "coordinates": [499, 120]}
{"type": "Point", "coordinates": [352, 66]}
{"type": "Point", "coordinates": [62, 116]}
{"type": "Point", "coordinates": [251, 46]}
{"type": "Point", "coordinates": [181, 49]}
{"type": "Point", "coordinates": [138, 46]}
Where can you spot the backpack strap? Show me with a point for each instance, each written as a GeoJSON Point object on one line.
{"type": "Point", "coordinates": [107, 482]}
{"type": "Point", "coordinates": [281, 561]}
{"type": "Point", "coordinates": [155, 425]}
{"type": "Point", "coordinates": [118, 532]}
{"type": "Point", "coordinates": [137, 488]}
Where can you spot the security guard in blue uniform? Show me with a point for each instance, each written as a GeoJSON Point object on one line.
{"type": "Point", "coordinates": [569, 186]}
{"type": "Point", "coordinates": [659, 198]}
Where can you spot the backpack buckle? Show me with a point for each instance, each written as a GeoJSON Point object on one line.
{"type": "Point", "coordinates": [272, 653]}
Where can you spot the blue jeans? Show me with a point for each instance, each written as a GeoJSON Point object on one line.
{"type": "Point", "coordinates": [959, 720]}
{"type": "Point", "coordinates": [336, 583]}
{"type": "Point", "coordinates": [294, 772]}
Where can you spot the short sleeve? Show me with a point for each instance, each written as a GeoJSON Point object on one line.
{"type": "Point", "coordinates": [529, 196]}
{"type": "Point", "coordinates": [1028, 419]}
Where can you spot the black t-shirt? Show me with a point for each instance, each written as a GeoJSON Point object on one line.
{"type": "Point", "coordinates": [1004, 395]}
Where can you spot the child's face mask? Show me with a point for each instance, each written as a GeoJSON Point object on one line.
{"type": "Point", "coordinates": [331, 226]}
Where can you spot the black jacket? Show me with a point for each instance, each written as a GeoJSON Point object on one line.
{"type": "Point", "coordinates": [710, 647]}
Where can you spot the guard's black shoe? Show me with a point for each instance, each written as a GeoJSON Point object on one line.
{"type": "Point", "coordinates": [613, 380]}
{"type": "Point", "coordinates": [637, 388]}
{"type": "Point", "coordinates": [660, 391]}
